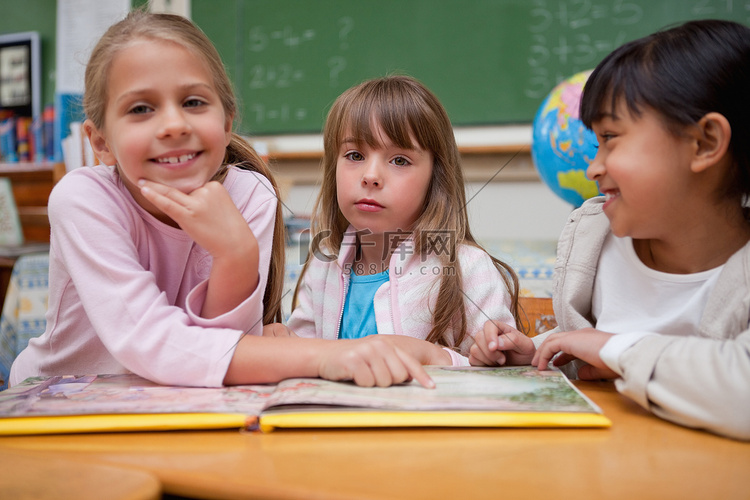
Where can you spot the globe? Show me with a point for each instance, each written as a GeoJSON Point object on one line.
{"type": "Point", "coordinates": [562, 147]}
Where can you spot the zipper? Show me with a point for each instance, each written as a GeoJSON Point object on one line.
{"type": "Point", "coordinates": [344, 290]}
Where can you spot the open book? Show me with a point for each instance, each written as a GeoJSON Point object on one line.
{"type": "Point", "coordinates": [464, 397]}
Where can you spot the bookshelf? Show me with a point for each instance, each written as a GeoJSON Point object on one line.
{"type": "Point", "coordinates": [32, 183]}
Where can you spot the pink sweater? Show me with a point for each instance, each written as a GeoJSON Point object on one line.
{"type": "Point", "coordinates": [126, 290]}
{"type": "Point", "coordinates": [403, 305]}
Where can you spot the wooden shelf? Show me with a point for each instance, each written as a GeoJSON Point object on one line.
{"type": "Point", "coordinates": [464, 150]}
{"type": "Point", "coordinates": [32, 184]}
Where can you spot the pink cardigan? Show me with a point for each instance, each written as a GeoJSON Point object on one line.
{"type": "Point", "coordinates": [403, 305]}
{"type": "Point", "coordinates": [126, 290]}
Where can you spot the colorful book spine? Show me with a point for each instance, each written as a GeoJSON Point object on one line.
{"type": "Point", "coordinates": [36, 140]}
{"type": "Point", "coordinates": [48, 131]}
{"type": "Point", "coordinates": [8, 140]}
{"type": "Point", "coordinates": [23, 150]}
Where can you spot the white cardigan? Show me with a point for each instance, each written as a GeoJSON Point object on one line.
{"type": "Point", "coordinates": [404, 304]}
{"type": "Point", "coordinates": [700, 381]}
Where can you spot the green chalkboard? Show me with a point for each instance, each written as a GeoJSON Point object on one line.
{"type": "Point", "coordinates": [489, 61]}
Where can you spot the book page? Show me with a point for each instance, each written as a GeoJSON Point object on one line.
{"type": "Point", "coordinates": [125, 394]}
{"type": "Point", "coordinates": [504, 389]}
{"type": "Point", "coordinates": [519, 389]}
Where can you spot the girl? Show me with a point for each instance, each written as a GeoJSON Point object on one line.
{"type": "Point", "coordinates": [392, 215]}
{"type": "Point", "coordinates": [162, 262]}
{"type": "Point", "coordinates": [653, 278]}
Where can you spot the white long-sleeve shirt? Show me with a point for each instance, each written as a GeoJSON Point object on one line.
{"type": "Point", "coordinates": [126, 290]}
{"type": "Point", "coordinates": [698, 378]}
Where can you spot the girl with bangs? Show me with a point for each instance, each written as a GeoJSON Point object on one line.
{"type": "Point", "coordinates": [392, 253]}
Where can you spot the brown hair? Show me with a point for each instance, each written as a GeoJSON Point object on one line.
{"type": "Point", "coordinates": [404, 108]}
{"type": "Point", "coordinates": [140, 24]}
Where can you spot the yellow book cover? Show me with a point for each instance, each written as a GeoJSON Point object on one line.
{"type": "Point", "coordinates": [463, 397]}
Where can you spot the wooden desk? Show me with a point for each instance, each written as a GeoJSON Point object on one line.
{"type": "Point", "coordinates": [640, 457]}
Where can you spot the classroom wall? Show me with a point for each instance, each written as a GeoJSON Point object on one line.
{"type": "Point", "coordinates": [505, 198]}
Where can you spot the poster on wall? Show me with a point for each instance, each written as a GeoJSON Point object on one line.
{"type": "Point", "coordinates": [20, 68]}
{"type": "Point", "coordinates": [14, 76]}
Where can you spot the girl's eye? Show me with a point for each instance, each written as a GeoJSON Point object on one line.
{"type": "Point", "coordinates": [400, 161]}
{"type": "Point", "coordinates": [354, 156]}
{"type": "Point", "coordinates": [139, 109]}
{"type": "Point", "coordinates": [604, 138]}
{"type": "Point", "coordinates": [193, 103]}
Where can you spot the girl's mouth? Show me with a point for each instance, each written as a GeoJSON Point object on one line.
{"type": "Point", "coordinates": [176, 159]}
{"type": "Point", "coordinates": [368, 205]}
{"type": "Point", "coordinates": [609, 197]}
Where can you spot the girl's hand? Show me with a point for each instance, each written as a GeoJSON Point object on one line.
{"type": "Point", "coordinates": [370, 361]}
{"type": "Point", "coordinates": [277, 330]}
{"type": "Point", "coordinates": [208, 215]}
{"type": "Point", "coordinates": [579, 344]}
{"type": "Point", "coordinates": [500, 344]}
{"type": "Point", "coordinates": [425, 352]}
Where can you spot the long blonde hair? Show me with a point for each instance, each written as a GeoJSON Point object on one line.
{"type": "Point", "coordinates": [140, 24]}
{"type": "Point", "coordinates": [404, 108]}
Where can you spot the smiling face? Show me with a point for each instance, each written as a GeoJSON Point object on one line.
{"type": "Point", "coordinates": [382, 188]}
{"type": "Point", "coordinates": [164, 120]}
{"type": "Point", "coordinates": [644, 171]}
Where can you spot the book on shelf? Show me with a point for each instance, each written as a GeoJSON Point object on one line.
{"type": "Point", "coordinates": [463, 397]}
{"type": "Point", "coordinates": [25, 139]}
{"type": "Point", "coordinates": [11, 231]}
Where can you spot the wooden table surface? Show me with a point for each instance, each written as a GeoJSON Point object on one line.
{"type": "Point", "coordinates": [639, 457]}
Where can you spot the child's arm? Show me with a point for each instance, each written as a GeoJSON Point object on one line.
{"type": "Point", "coordinates": [371, 361]}
{"type": "Point", "coordinates": [425, 352]}
{"type": "Point", "coordinates": [693, 381]}
{"type": "Point", "coordinates": [277, 330]}
{"type": "Point", "coordinates": [208, 215]}
{"type": "Point", "coordinates": [501, 344]}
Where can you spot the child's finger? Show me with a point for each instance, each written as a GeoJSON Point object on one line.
{"type": "Point", "coordinates": [479, 357]}
{"type": "Point", "coordinates": [486, 340]}
{"type": "Point", "coordinates": [545, 352]}
{"type": "Point", "coordinates": [380, 370]}
{"type": "Point", "coordinates": [157, 190]}
{"type": "Point", "coordinates": [168, 200]}
{"type": "Point", "coordinates": [563, 359]}
{"type": "Point", "coordinates": [363, 375]}
{"type": "Point", "coordinates": [415, 370]}
{"type": "Point", "coordinates": [397, 371]}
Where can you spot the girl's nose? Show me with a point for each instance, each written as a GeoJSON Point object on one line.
{"type": "Point", "coordinates": [371, 176]}
{"type": "Point", "coordinates": [596, 168]}
{"type": "Point", "coordinates": [173, 123]}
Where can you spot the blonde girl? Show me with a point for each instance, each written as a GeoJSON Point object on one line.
{"type": "Point", "coordinates": [392, 208]}
{"type": "Point", "coordinates": [168, 261]}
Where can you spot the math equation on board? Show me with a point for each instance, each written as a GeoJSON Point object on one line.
{"type": "Point", "coordinates": [488, 61]}
{"type": "Point", "coordinates": [289, 73]}
{"type": "Point", "coordinates": [563, 41]}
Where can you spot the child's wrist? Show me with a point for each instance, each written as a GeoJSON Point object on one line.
{"type": "Point", "coordinates": [445, 356]}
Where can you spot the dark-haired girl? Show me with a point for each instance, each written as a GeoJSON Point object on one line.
{"type": "Point", "coordinates": [653, 278]}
